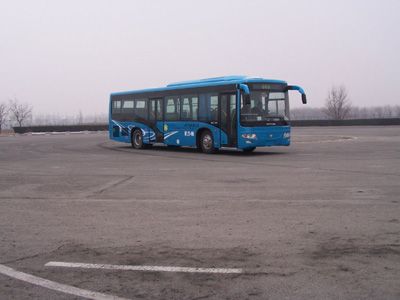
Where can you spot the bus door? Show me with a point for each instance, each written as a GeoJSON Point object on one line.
{"type": "Point", "coordinates": [156, 118]}
{"type": "Point", "coordinates": [227, 118]}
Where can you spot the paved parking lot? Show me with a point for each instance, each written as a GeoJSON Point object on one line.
{"type": "Point", "coordinates": [319, 219]}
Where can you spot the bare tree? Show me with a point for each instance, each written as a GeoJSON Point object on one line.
{"type": "Point", "coordinates": [337, 105]}
{"type": "Point", "coordinates": [3, 114]}
{"type": "Point", "coordinates": [397, 111]}
{"type": "Point", "coordinates": [307, 113]}
{"type": "Point", "coordinates": [80, 118]}
{"type": "Point", "coordinates": [20, 112]}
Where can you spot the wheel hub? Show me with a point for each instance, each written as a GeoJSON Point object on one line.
{"type": "Point", "coordinates": [207, 142]}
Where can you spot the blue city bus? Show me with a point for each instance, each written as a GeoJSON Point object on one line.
{"type": "Point", "coordinates": [232, 111]}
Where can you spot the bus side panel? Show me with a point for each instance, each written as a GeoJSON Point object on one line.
{"type": "Point", "coordinates": [223, 138]}
{"type": "Point", "coordinates": [121, 131]}
{"type": "Point", "coordinates": [180, 133]}
{"type": "Point", "coordinates": [173, 134]}
{"type": "Point", "coordinates": [185, 133]}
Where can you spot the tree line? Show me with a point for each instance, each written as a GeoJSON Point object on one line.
{"type": "Point", "coordinates": [15, 113]}
{"type": "Point", "coordinates": [374, 112]}
{"type": "Point", "coordinates": [19, 113]}
{"type": "Point", "coordinates": [337, 106]}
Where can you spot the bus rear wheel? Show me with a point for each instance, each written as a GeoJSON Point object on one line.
{"type": "Point", "coordinates": [137, 139]}
{"type": "Point", "coordinates": [207, 142]}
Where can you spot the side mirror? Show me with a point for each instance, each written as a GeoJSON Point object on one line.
{"type": "Point", "coordinates": [244, 88]}
{"type": "Point", "coordinates": [304, 98]}
{"type": "Point", "coordinates": [300, 90]}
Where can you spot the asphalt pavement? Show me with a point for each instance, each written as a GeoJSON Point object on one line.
{"type": "Point", "coordinates": [317, 220]}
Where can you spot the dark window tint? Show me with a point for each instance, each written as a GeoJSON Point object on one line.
{"type": "Point", "coordinates": [189, 108]}
{"type": "Point", "coordinates": [208, 107]}
{"type": "Point", "coordinates": [160, 110]}
{"type": "Point", "coordinates": [203, 108]}
{"type": "Point", "coordinates": [213, 100]}
{"type": "Point", "coordinates": [152, 110]}
{"type": "Point", "coordinates": [186, 113]}
{"type": "Point", "coordinates": [140, 108]}
{"type": "Point", "coordinates": [116, 106]}
{"type": "Point", "coordinates": [195, 108]}
{"type": "Point", "coordinates": [127, 106]}
{"type": "Point", "coordinates": [155, 112]}
{"type": "Point", "coordinates": [172, 108]}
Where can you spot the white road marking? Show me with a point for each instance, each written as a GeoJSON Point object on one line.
{"type": "Point", "coordinates": [52, 285]}
{"type": "Point", "coordinates": [143, 268]}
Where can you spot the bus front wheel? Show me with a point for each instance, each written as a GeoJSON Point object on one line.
{"type": "Point", "coordinates": [137, 139]}
{"type": "Point", "coordinates": [207, 142]}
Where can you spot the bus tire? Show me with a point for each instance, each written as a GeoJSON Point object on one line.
{"type": "Point", "coordinates": [137, 139]}
{"type": "Point", "coordinates": [207, 142]}
{"type": "Point", "coordinates": [248, 150]}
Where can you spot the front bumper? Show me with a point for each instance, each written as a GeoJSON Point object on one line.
{"type": "Point", "coordinates": [264, 136]}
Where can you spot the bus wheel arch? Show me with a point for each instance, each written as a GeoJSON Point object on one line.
{"type": "Point", "coordinates": [198, 136]}
{"type": "Point", "coordinates": [205, 141]}
{"type": "Point", "coordinates": [137, 138]}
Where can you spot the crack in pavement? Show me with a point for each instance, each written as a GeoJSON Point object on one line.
{"type": "Point", "coordinates": [108, 186]}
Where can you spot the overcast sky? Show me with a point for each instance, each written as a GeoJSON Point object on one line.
{"type": "Point", "coordinates": [66, 56]}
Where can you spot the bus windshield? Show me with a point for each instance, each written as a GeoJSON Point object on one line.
{"type": "Point", "coordinates": [264, 106]}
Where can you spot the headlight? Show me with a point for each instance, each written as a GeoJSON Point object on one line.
{"type": "Point", "coordinates": [251, 136]}
{"type": "Point", "coordinates": [286, 135]}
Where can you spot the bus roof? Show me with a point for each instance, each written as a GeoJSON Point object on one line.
{"type": "Point", "coordinates": [215, 81]}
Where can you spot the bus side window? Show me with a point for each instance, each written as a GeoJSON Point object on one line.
{"type": "Point", "coordinates": [194, 108]}
{"type": "Point", "coordinates": [160, 103]}
{"type": "Point", "coordinates": [189, 111]}
{"type": "Point", "coordinates": [127, 106]}
{"type": "Point", "coordinates": [141, 109]}
{"type": "Point", "coordinates": [213, 116]}
{"type": "Point", "coordinates": [208, 109]}
{"type": "Point", "coordinates": [152, 110]}
{"type": "Point", "coordinates": [116, 106]}
{"type": "Point", "coordinates": [203, 108]}
{"type": "Point", "coordinates": [172, 109]}
{"type": "Point", "coordinates": [185, 113]}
